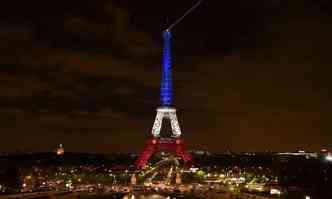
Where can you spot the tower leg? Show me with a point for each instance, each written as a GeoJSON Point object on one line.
{"type": "Point", "coordinates": [155, 145]}
{"type": "Point", "coordinates": [175, 124]}
{"type": "Point", "coordinates": [157, 124]}
{"type": "Point", "coordinates": [148, 151]}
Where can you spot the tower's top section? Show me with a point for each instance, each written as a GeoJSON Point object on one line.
{"type": "Point", "coordinates": [166, 87]}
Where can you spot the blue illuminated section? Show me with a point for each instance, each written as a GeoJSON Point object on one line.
{"type": "Point", "coordinates": [166, 88]}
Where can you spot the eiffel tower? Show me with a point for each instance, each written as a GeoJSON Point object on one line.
{"type": "Point", "coordinates": [165, 113]}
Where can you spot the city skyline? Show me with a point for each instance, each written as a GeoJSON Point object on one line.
{"type": "Point", "coordinates": [87, 75]}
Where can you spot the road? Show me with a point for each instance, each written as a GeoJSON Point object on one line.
{"type": "Point", "coordinates": [64, 195]}
{"type": "Point", "coordinates": [46, 194]}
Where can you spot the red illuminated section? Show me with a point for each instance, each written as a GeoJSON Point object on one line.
{"type": "Point", "coordinates": [155, 145]}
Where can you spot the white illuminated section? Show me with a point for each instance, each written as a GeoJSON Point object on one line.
{"type": "Point", "coordinates": [328, 158]}
{"type": "Point", "coordinates": [307, 197]}
{"type": "Point", "coordinates": [193, 169]}
{"type": "Point", "coordinates": [275, 192]}
{"type": "Point", "coordinates": [323, 150]}
{"type": "Point", "coordinates": [170, 114]}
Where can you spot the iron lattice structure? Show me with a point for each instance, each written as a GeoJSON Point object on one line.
{"type": "Point", "coordinates": [166, 86]}
{"type": "Point", "coordinates": [165, 111]}
{"type": "Point", "coordinates": [155, 145]}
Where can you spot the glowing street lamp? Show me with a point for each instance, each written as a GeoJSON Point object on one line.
{"type": "Point", "coordinates": [328, 157]}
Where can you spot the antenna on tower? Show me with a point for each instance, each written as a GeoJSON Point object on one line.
{"type": "Point", "coordinates": [184, 15]}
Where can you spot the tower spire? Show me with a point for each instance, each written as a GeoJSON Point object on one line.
{"type": "Point", "coordinates": [166, 87]}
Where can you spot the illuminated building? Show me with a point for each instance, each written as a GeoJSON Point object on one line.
{"type": "Point", "coordinates": [60, 150]}
{"type": "Point", "coordinates": [133, 179]}
{"type": "Point", "coordinates": [328, 157]}
{"type": "Point", "coordinates": [178, 179]}
{"type": "Point", "coordinates": [307, 155]}
{"type": "Point", "coordinates": [165, 112]}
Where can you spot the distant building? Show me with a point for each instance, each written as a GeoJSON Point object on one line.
{"type": "Point", "coordinates": [133, 179]}
{"type": "Point", "coordinates": [60, 150]}
{"type": "Point", "coordinates": [307, 155]}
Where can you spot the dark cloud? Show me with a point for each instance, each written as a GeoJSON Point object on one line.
{"type": "Point", "coordinates": [248, 75]}
{"type": "Point", "coordinates": [275, 94]}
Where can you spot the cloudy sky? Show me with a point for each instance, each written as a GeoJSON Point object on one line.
{"type": "Point", "coordinates": [249, 75]}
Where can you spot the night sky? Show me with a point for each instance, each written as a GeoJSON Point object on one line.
{"type": "Point", "coordinates": [249, 75]}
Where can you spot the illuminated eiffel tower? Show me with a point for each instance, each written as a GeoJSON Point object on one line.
{"type": "Point", "coordinates": [165, 112]}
